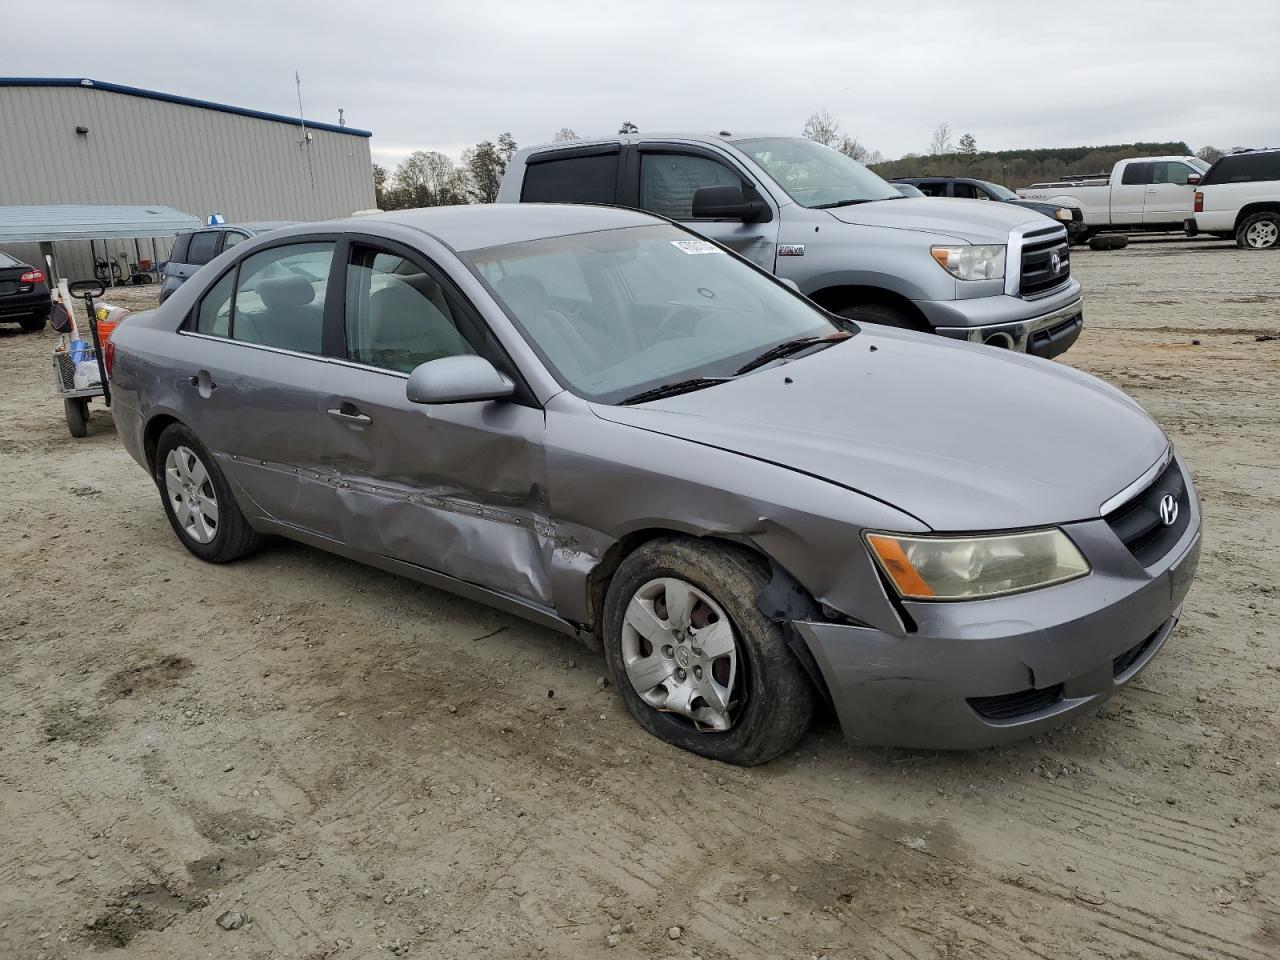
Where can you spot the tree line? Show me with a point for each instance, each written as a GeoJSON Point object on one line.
{"type": "Point", "coordinates": [429, 178]}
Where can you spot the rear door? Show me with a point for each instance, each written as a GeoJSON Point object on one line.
{"type": "Point", "coordinates": [1169, 198]}
{"type": "Point", "coordinates": [456, 488]}
{"type": "Point", "coordinates": [252, 377]}
{"type": "Point", "coordinates": [662, 178]}
{"type": "Point", "coordinates": [1128, 197]}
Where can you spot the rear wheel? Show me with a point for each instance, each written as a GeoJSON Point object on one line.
{"type": "Point", "coordinates": [35, 324]}
{"type": "Point", "coordinates": [884, 314]}
{"type": "Point", "coordinates": [77, 411]}
{"type": "Point", "coordinates": [198, 499]}
{"type": "Point", "coordinates": [1259, 232]}
{"type": "Point", "coordinates": [697, 663]}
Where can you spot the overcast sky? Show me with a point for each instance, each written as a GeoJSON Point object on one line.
{"type": "Point", "coordinates": [444, 75]}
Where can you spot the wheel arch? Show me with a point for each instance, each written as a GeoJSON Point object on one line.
{"type": "Point", "coordinates": [1260, 206]}
{"type": "Point", "coordinates": [842, 296]}
{"type": "Point", "coordinates": [151, 437]}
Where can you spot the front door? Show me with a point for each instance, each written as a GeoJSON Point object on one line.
{"type": "Point", "coordinates": [457, 488]}
{"type": "Point", "coordinates": [253, 376]}
{"type": "Point", "coordinates": [668, 177]}
{"type": "Point", "coordinates": [1169, 197]}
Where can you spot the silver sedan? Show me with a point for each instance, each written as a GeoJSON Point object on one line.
{"type": "Point", "coordinates": [597, 420]}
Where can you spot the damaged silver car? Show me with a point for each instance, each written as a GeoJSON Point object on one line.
{"type": "Point", "coordinates": [600, 421]}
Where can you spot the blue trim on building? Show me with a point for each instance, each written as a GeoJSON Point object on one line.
{"type": "Point", "coordinates": [173, 98]}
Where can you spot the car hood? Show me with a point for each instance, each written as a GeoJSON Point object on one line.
{"type": "Point", "coordinates": [961, 437]}
{"type": "Point", "coordinates": [974, 221]}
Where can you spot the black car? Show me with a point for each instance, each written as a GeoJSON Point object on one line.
{"type": "Point", "coordinates": [969, 188]}
{"type": "Point", "coordinates": [24, 294]}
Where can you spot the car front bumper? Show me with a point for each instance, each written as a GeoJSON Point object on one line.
{"type": "Point", "coordinates": [1044, 327]}
{"type": "Point", "coordinates": [988, 672]}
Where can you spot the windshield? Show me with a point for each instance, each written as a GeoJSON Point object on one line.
{"type": "Point", "coordinates": [816, 176]}
{"type": "Point", "coordinates": [1201, 165]}
{"type": "Point", "coordinates": [619, 312]}
{"type": "Point", "coordinates": [999, 192]}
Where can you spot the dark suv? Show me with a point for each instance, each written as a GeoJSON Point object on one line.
{"type": "Point", "coordinates": [969, 188]}
{"type": "Point", "coordinates": [193, 250]}
{"type": "Point", "coordinates": [24, 294]}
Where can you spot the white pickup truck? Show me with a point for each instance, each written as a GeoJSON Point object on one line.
{"type": "Point", "coordinates": [1143, 193]}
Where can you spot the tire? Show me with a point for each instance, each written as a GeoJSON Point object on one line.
{"type": "Point", "coordinates": [770, 701]}
{"type": "Point", "coordinates": [1081, 238]}
{"type": "Point", "coordinates": [77, 411]}
{"type": "Point", "coordinates": [883, 314]}
{"type": "Point", "coordinates": [35, 324]}
{"type": "Point", "coordinates": [1261, 231]}
{"type": "Point", "coordinates": [196, 480]}
{"type": "Point", "coordinates": [1109, 241]}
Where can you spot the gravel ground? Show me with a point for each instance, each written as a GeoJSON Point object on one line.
{"type": "Point", "coordinates": [360, 766]}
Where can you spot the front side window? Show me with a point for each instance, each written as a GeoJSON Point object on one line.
{"type": "Point", "coordinates": [589, 179]}
{"type": "Point", "coordinates": [668, 182]}
{"type": "Point", "coordinates": [654, 305]}
{"type": "Point", "coordinates": [203, 248]}
{"type": "Point", "coordinates": [399, 316]}
{"type": "Point", "coordinates": [815, 176]}
{"type": "Point", "coordinates": [1170, 171]}
{"type": "Point", "coordinates": [280, 294]}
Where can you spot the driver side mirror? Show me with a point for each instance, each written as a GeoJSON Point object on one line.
{"type": "Point", "coordinates": [729, 203]}
{"type": "Point", "coordinates": [461, 379]}
{"type": "Point", "coordinates": [1193, 179]}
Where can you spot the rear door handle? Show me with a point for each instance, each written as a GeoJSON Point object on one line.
{"type": "Point", "coordinates": [203, 382]}
{"type": "Point", "coordinates": [350, 413]}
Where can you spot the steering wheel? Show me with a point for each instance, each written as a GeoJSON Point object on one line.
{"type": "Point", "coordinates": [681, 312]}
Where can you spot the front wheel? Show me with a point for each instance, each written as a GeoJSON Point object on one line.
{"type": "Point", "coordinates": [697, 663]}
{"type": "Point", "coordinates": [198, 499]}
{"type": "Point", "coordinates": [1259, 232]}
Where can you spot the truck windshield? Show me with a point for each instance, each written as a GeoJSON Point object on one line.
{"type": "Point", "coordinates": [815, 176]}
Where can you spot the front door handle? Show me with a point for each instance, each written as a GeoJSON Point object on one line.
{"type": "Point", "coordinates": [350, 413]}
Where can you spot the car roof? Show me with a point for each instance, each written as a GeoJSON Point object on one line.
{"type": "Point", "coordinates": [253, 229]}
{"type": "Point", "coordinates": [701, 136]}
{"type": "Point", "coordinates": [476, 226]}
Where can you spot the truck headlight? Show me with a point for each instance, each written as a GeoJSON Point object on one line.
{"type": "Point", "coordinates": [973, 568]}
{"type": "Point", "coordinates": [972, 261]}
{"type": "Point", "coordinates": [1062, 213]}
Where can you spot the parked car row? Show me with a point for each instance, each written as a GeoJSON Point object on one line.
{"type": "Point", "coordinates": [598, 419]}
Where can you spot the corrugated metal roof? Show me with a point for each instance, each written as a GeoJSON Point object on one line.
{"type": "Point", "coordinates": [172, 98]}
{"type": "Point", "coordinates": [69, 221]}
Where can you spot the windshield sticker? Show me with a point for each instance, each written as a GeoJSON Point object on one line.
{"type": "Point", "coordinates": [692, 247]}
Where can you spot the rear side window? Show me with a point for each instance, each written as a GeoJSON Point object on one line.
{"type": "Point", "coordinates": [179, 252]}
{"type": "Point", "coordinates": [572, 180]}
{"type": "Point", "coordinates": [1136, 173]}
{"type": "Point", "coordinates": [214, 315]}
{"type": "Point", "coordinates": [231, 238]}
{"type": "Point", "coordinates": [668, 182]}
{"type": "Point", "coordinates": [1245, 168]}
{"type": "Point", "coordinates": [279, 300]}
{"type": "Point", "coordinates": [204, 247]}
{"type": "Point", "coordinates": [933, 188]}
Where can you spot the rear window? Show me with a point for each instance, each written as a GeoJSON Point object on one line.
{"type": "Point", "coordinates": [6, 260]}
{"type": "Point", "coordinates": [589, 179]}
{"type": "Point", "coordinates": [1244, 168]}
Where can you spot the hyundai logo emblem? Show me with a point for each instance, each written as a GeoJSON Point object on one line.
{"type": "Point", "coordinates": [1055, 262]}
{"type": "Point", "coordinates": [1168, 509]}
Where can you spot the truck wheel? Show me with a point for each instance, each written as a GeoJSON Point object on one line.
{"type": "Point", "coordinates": [77, 411]}
{"type": "Point", "coordinates": [1259, 232]}
{"type": "Point", "coordinates": [885, 315]}
{"type": "Point", "coordinates": [1109, 241]}
{"type": "Point", "coordinates": [1083, 237]}
{"type": "Point", "coordinates": [697, 662]}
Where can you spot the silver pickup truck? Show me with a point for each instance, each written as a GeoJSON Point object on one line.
{"type": "Point", "coordinates": [982, 272]}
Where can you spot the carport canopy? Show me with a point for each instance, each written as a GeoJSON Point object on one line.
{"type": "Point", "coordinates": [68, 221]}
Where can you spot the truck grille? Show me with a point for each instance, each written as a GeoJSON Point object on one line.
{"type": "Point", "coordinates": [1040, 252]}
{"type": "Point", "coordinates": [1138, 522]}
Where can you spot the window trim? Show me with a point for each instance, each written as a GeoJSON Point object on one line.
{"type": "Point", "coordinates": [635, 158]}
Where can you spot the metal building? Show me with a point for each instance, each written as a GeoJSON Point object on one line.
{"type": "Point", "coordinates": [74, 141]}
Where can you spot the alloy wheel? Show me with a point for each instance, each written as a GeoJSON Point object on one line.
{"type": "Point", "coordinates": [191, 494]}
{"type": "Point", "coordinates": [680, 653]}
{"type": "Point", "coordinates": [1262, 235]}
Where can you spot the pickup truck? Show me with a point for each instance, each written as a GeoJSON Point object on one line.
{"type": "Point", "coordinates": [983, 272]}
{"type": "Point", "coordinates": [1143, 193]}
{"type": "Point", "coordinates": [1239, 199]}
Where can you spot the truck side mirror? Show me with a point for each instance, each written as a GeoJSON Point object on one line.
{"type": "Point", "coordinates": [729, 203]}
{"type": "Point", "coordinates": [1193, 179]}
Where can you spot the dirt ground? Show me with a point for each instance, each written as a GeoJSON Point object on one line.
{"type": "Point", "coordinates": [364, 767]}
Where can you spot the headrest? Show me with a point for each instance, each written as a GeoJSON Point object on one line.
{"type": "Point", "coordinates": [524, 291]}
{"type": "Point", "coordinates": [283, 292]}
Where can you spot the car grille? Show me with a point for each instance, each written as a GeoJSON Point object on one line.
{"type": "Point", "coordinates": [1011, 706]}
{"type": "Point", "coordinates": [1038, 250]}
{"type": "Point", "coordinates": [1138, 523]}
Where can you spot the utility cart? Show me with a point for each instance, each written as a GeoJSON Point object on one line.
{"type": "Point", "coordinates": [78, 371]}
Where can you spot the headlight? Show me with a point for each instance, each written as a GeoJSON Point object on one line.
{"type": "Point", "coordinates": [972, 261]}
{"type": "Point", "coordinates": [1062, 213]}
{"type": "Point", "coordinates": [972, 568]}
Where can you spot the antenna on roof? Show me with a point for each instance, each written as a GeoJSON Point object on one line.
{"type": "Point", "coordinates": [342, 121]}
{"type": "Point", "coordinates": [305, 142]}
